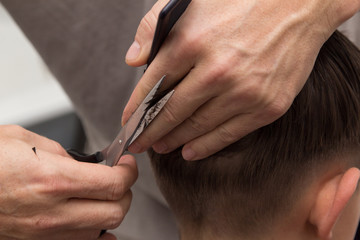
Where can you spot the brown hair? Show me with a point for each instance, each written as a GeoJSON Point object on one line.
{"type": "Point", "coordinates": [258, 178]}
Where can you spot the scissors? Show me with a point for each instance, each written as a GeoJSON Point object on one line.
{"type": "Point", "coordinates": [153, 102]}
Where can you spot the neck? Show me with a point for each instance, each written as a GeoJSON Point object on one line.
{"type": "Point", "coordinates": [283, 232]}
{"type": "Point", "coordinates": [210, 234]}
{"type": "Point", "coordinates": [207, 236]}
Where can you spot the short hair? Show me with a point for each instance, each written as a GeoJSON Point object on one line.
{"type": "Point", "coordinates": [256, 180]}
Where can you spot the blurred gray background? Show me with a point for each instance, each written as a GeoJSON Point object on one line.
{"type": "Point", "coordinates": [29, 94]}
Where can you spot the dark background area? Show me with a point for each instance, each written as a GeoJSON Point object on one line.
{"type": "Point", "coordinates": [65, 129]}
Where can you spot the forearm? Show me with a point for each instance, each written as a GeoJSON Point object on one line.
{"type": "Point", "coordinates": [320, 17]}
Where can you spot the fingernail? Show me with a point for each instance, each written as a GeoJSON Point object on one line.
{"type": "Point", "coordinates": [160, 147]}
{"type": "Point", "coordinates": [135, 148]}
{"type": "Point", "coordinates": [133, 51]}
{"type": "Point", "coordinates": [188, 153]}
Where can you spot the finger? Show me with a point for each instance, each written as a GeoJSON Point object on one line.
{"type": "Point", "coordinates": [174, 60]}
{"type": "Point", "coordinates": [107, 236]}
{"type": "Point", "coordinates": [257, 115]}
{"type": "Point", "coordinates": [69, 178]}
{"type": "Point", "coordinates": [190, 94]}
{"type": "Point", "coordinates": [111, 183]}
{"type": "Point", "coordinates": [139, 51]}
{"type": "Point", "coordinates": [205, 119]}
{"type": "Point", "coordinates": [45, 231]}
{"type": "Point", "coordinates": [79, 215]}
{"type": "Point", "coordinates": [70, 234]}
{"type": "Point", "coordinates": [224, 135]}
{"type": "Point", "coordinates": [161, 66]}
{"type": "Point", "coordinates": [105, 183]}
{"type": "Point", "coordinates": [212, 114]}
{"type": "Point", "coordinates": [92, 214]}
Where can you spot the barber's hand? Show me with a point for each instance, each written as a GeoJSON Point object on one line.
{"type": "Point", "coordinates": [243, 63]}
{"type": "Point", "coordinates": [48, 195]}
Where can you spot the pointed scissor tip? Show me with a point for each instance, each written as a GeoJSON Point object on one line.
{"type": "Point", "coordinates": [155, 89]}
{"type": "Point", "coordinates": [159, 83]}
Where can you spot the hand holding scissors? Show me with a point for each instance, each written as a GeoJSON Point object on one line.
{"type": "Point", "coordinates": [153, 102]}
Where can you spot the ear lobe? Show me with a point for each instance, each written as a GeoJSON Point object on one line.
{"type": "Point", "coordinates": [331, 201]}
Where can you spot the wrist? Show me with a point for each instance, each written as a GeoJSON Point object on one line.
{"type": "Point", "coordinates": [343, 10]}
{"type": "Point", "coordinates": [323, 17]}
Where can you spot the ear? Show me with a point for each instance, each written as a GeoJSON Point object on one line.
{"type": "Point", "coordinates": [331, 201]}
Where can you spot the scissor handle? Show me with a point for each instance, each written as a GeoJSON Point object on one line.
{"type": "Point", "coordinates": [82, 157]}
{"type": "Point", "coordinates": [167, 19]}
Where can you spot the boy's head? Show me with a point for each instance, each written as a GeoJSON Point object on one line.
{"type": "Point", "coordinates": [292, 179]}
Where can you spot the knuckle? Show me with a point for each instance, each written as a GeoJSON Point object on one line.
{"type": "Point", "coordinates": [219, 74]}
{"type": "Point", "coordinates": [57, 146]}
{"type": "Point", "coordinates": [52, 184]}
{"type": "Point", "coordinates": [169, 116]}
{"type": "Point", "coordinates": [199, 123]}
{"type": "Point", "coordinates": [276, 109]}
{"type": "Point", "coordinates": [15, 130]}
{"type": "Point", "coordinates": [269, 105]}
{"type": "Point", "coordinates": [190, 43]}
{"type": "Point", "coordinates": [116, 218]}
{"type": "Point", "coordinates": [147, 24]}
{"type": "Point", "coordinates": [117, 188]}
{"type": "Point", "coordinates": [253, 94]}
{"type": "Point", "coordinates": [43, 223]}
{"type": "Point", "coordinates": [226, 136]}
{"type": "Point", "coordinates": [118, 214]}
{"type": "Point", "coordinates": [92, 234]}
{"type": "Point", "coordinates": [194, 42]}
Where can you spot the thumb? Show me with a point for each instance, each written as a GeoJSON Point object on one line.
{"type": "Point", "coordinates": [139, 50]}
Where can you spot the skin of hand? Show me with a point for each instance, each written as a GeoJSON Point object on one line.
{"type": "Point", "coordinates": [49, 195]}
{"type": "Point", "coordinates": [242, 63]}
{"type": "Point", "coordinates": [107, 236]}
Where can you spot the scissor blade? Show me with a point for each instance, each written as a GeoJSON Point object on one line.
{"type": "Point", "coordinates": [120, 144]}
{"type": "Point", "coordinates": [151, 114]}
